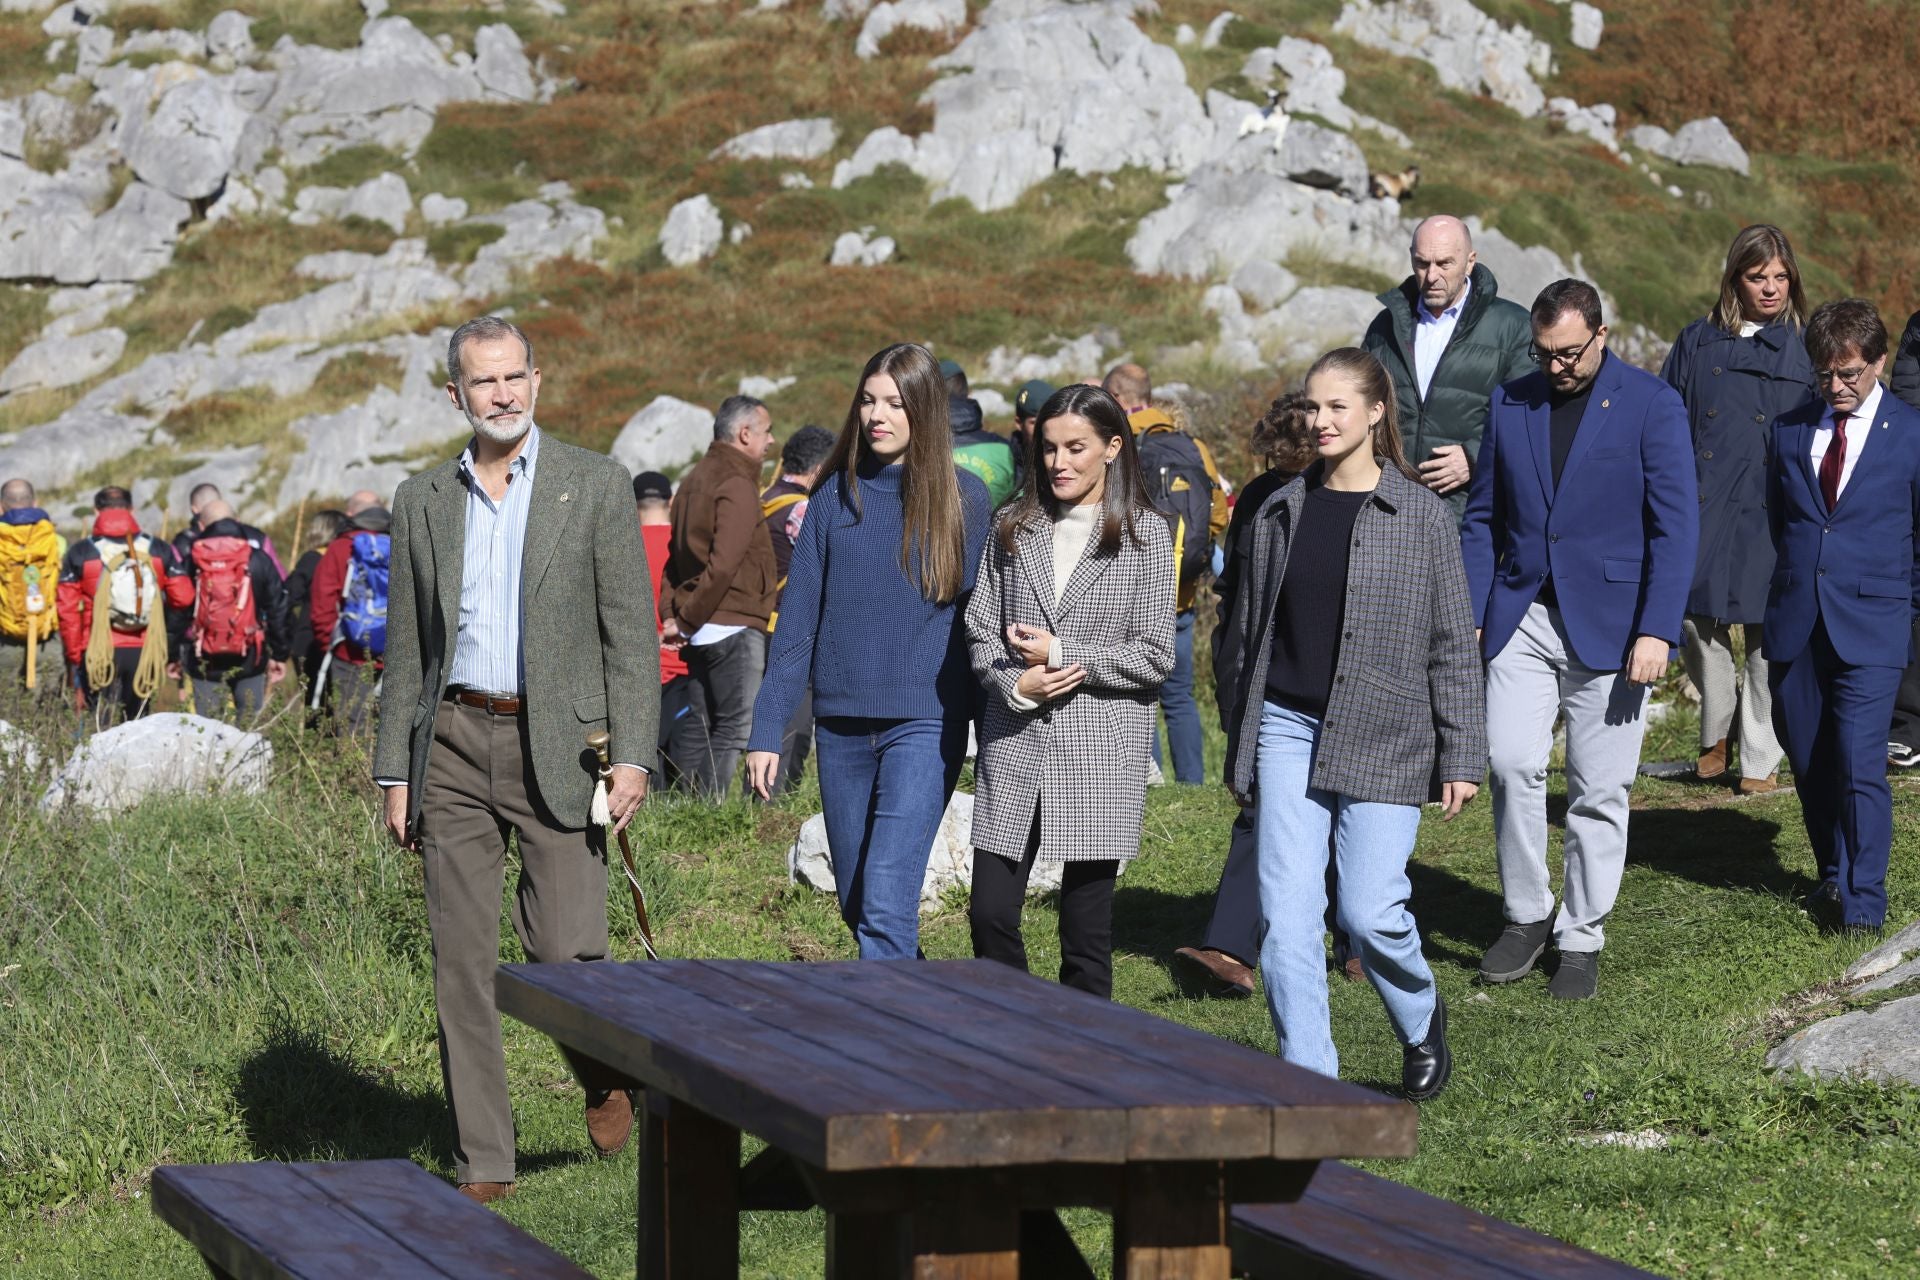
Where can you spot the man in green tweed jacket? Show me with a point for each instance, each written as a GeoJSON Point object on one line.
{"type": "Point", "coordinates": [519, 621]}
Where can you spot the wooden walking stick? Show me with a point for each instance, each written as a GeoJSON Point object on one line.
{"type": "Point", "coordinates": [598, 741]}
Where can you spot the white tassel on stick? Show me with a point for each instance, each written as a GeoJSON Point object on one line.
{"type": "Point", "coordinates": [598, 813]}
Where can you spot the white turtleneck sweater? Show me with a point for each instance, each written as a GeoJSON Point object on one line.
{"type": "Point", "coordinates": [1071, 534]}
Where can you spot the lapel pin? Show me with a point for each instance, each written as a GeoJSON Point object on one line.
{"type": "Point", "coordinates": [1606, 404]}
{"type": "Point", "coordinates": [564, 497]}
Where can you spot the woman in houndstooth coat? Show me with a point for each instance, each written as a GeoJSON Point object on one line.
{"type": "Point", "coordinates": [1071, 632]}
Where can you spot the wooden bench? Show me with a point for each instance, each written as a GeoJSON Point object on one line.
{"type": "Point", "coordinates": [1352, 1225]}
{"type": "Point", "coordinates": [352, 1220]}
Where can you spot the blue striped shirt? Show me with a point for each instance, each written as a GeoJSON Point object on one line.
{"type": "Point", "coordinates": [486, 649]}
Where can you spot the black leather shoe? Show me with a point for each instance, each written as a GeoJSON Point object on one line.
{"type": "Point", "coordinates": [1428, 1065]}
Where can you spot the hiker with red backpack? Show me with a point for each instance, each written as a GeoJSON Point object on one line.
{"type": "Point", "coordinates": [116, 588]}
{"type": "Point", "coordinates": [234, 642]}
{"type": "Point", "coordinates": [348, 612]}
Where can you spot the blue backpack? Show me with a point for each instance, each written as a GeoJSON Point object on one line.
{"type": "Point", "coordinates": [363, 607]}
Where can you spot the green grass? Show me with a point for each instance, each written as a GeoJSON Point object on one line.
{"type": "Point", "coordinates": [248, 978]}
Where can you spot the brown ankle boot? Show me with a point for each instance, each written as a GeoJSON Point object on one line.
{"type": "Point", "coordinates": [1713, 763]}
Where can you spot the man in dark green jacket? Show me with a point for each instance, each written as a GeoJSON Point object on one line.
{"type": "Point", "coordinates": [1448, 339]}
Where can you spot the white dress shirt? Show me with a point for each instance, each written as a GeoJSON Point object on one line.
{"type": "Point", "coordinates": [1432, 333]}
{"type": "Point", "coordinates": [1860, 424]}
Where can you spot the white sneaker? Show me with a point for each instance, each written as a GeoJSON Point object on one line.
{"type": "Point", "coordinates": [1155, 778]}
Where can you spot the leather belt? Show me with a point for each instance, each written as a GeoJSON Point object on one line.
{"type": "Point", "coordinates": [491, 703]}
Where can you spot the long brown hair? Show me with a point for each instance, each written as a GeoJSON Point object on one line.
{"type": "Point", "coordinates": [1370, 376]}
{"type": "Point", "coordinates": [933, 536]}
{"type": "Point", "coordinates": [1125, 499]}
{"type": "Point", "coordinates": [1756, 246]}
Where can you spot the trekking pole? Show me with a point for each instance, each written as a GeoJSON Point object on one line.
{"type": "Point", "coordinates": [599, 741]}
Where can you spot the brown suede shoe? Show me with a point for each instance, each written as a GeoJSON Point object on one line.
{"type": "Point", "coordinates": [1236, 979]}
{"type": "Point", "coordinates": [609, 1120]}
{"type": "Point", "coordinates": [1712, 766]}
{"type": "Point", "coordinates": [1759, 786]}
{"type": "Point", "coordinates": [1355, 969]}
{"type": "Point", "coordinates": [486, 1192]}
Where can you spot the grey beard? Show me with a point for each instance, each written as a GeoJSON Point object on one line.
{"type": "Point", "coordinates": [502, 433]}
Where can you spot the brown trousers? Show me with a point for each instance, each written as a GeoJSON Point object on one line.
{"type": "Point", "coordinates": [479, 787]}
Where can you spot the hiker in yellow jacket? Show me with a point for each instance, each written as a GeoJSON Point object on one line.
{"type": "Point", "coordinates": [30, 553]}
{"type": "Point", "coordinates": [1183, 481]}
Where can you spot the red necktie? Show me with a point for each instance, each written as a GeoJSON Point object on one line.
{"type": "Point", "coordinates": [1836, 459]}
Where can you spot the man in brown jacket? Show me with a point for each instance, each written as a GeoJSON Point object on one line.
{"type": "Point", "coordinates": [718, 593]}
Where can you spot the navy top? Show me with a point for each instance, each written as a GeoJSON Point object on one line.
{"type": "Point", "coordinates": [854, 625]}
{"type": "Point", "coordinates": [1313, 597]}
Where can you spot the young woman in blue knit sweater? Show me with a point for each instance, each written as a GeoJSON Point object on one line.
{"type": "Point", "coordinates": [871, 619]}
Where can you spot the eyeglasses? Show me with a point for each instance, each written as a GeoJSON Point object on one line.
{"type": "Point", "coordinates": [1567, 359]}
{"type": "Point", "coordinates": [1846, 377]}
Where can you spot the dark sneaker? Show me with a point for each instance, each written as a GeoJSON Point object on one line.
{"type": "Point", "coordinates": [1428, 1065]}
{"type": "Point", "coordinates": [1577, 978]}
{"type": "Point", "coordinates": [1902, 756]}
{"type": "Point", "coordinates": [1512, 957]}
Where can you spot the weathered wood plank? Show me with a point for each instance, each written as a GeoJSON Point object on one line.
{"type": "Point", "coordinates": [1311, 1116]}
{"type": "Point", "coordinates": [1172, 1224]}
{"type": "Point", "coordinates": [866, 1246]}
{"type": "Point", "coordinates": [973, 1236]}
{"type": "Point", "coordinates": [689, 1220]}
{"type": "Point", "coordinates": [343, 1221]}
{"type": "Point", "coordinates": [1353, 1224]}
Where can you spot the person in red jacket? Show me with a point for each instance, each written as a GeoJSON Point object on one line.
{"type": "Point", "coordinates": [114, 530]}
{"type": "Point", "coordinates": [652, 499]}
{"type": "Point", "coordinates": [353, 673]}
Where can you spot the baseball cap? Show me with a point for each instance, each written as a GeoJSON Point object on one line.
{"type": "Point", "coordinates": [651, 485]}
{"type": "Point", "coordinates": [948, 368]}
{"type": "Point", "coordinates": [1032, 396]}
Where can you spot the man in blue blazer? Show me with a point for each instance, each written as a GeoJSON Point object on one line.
{"type": "Point", "coordinates": [1843, 477]}
{"type": "Point", "coordinates": [1579, 539]}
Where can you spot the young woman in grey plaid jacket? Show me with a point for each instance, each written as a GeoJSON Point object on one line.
{"type": "Point", "coordinates": [1070, 629]}
{"type": "Point", "coordinates": [1360, 683]}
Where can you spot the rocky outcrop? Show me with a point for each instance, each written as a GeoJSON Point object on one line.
{"type": "Point", "coordinates": [889, 16]}
{"type": "Point", "coordinates": [692, 232]}
{"type": "Point", "coordinates": [1882, 1043]}
{"type": "Point", "coordinates": [788, 140]}
{"type": "Point", "coordinates": [665, 436]}
{"type": "Point", "coordinates": [1467, 49]}
{"type": "Point", "coordinates": [949, 866]}
{"type": "Point", "coordinates": [164, 755]}
{"type": "Point", "coordinates": [1707, 142]}
{"type": "Point", "coordinates": [860, 249]}
{"type": "Point", "coordinates": [58, 362]}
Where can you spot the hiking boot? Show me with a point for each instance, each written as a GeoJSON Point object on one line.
{"type": "Point", "coordinates": [1759, 786]}
{"type": "Point", "coordinates": [1712, 765]}
{"type": "Point", "coordinates": [609, 1120]}
{"type": "Point", "coordinates": [1577, 978]}
{"type": "Point", "coordinates": [1512, 956]}
{"type": "Point", "coordinates": [1234, 978]}
{"type": "Point", "coordinates": [1426, 1067]}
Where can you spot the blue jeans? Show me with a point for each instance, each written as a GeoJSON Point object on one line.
{"type": "Point", "coordinates": [884, 787]}
{"type": "Point", "coordinates": [1183, 714]}
{"type": "Point", "coordinates": [1371, 844]}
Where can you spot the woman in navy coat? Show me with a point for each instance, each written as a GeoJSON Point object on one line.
{"type": "Point", "coordinates": [1738, 369]}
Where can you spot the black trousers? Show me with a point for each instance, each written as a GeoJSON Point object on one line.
{"type": "Point", "coordinates": [673, 704]}
{"type": "Point", "coordinates": [119, 693]}
{"type": "Point", "coordinates": [708, 741]}
{"type": "Point", "coordinates": [1086, 915]}
{"type": "Point", "coordinates": [1906, 703]}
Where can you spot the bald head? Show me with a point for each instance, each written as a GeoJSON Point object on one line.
{"type": "Point", "coordinates": [215, 511]}
{"type": "Point", "coordinates": [360, 501]}
{"type": "Point", "coordinates": [1129, 384]}
{"type": "Point", "coordinates": [1443, 259]}
{"type": "Point", "coordinates": [16, 495]}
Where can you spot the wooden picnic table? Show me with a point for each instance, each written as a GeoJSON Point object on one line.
{"type": "Point", "coordinates": [940, 1112]}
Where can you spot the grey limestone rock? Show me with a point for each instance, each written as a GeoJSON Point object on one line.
{"type": "Point", "coordinates": [692, 232]}
{"type": "Point", "coordinates": [533, 231]}
{"type": "Point", "coordinates": [384, 199]}
{"type": "Point", "coordinates": [1588, 24]}
{"type": "Point", "coordinates": [889, 16]}
{"type": "Point", "coordinates": [664, 436]}
{"type": "Point", "coordinates": [18, 752]}
{"type": "Point", "coordinates": [1890, 954]}
{"type": "Point", "coordinates": [163, 755]}
{"type": "Point", "coordinates": [439, 211]}
{"type": "Point", "coordinates": [186, 145]}
{"type": "Point", "coordinates": [950, 866]}
{"type": "Point", "coordinates": [788, 140]}
{"type": "Point", "coordinates": [230, 36]}
{"type": "Point", "coordinates": [1081, 357]}
{"type": "Point", "coordinates": [1881, 1044]}
{"type": "Point", "coordinates": [57, 453]}
{"type": "Point", "coordinates": [1709, 143]}
{"type": "Point", "coordinates": [63, 362]}
{"type": "Point", "coordinates": [860, 249]}
{"type": "Point", "coordinates": [1469, 50]}
{"type": "Point", "coordinates": [1315, 156]}
{"type": "Point", "coordinates": [1264, 284]}
{"type": "Point", "coordinates": [500, 62]}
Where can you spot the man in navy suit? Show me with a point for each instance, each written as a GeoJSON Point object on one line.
{"type": "Point", "coordinates": [1843, 479]}
{"type": "Point", "coordinates": [1579, 540]}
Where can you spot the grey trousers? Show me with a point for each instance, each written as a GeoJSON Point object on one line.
{"type": "Point", "coordinates": [1529, 682]}
{"type": "Point", "coordinates": [479, 787]}
{"type": "Point", "coordinates": [212, 688]}
{"type": "Point", "coordinates": [1708, 656]}
{"type": "Point", "coordinates": [724, 679]}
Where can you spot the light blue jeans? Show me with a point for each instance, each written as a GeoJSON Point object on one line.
{"type": "Point", "coordinates": [1371, 845]}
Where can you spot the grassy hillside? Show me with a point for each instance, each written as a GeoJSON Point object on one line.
{"type": "Point", "coordinates": [249, 978]}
